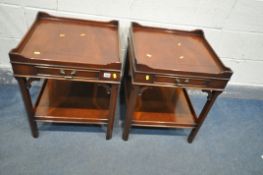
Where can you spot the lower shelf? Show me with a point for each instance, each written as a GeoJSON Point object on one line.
{"type": "Point", "coordinates": [164, 107]}
{"type": "Point", "coordinates": [72, 102]}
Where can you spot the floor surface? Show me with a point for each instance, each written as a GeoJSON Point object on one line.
{"type": "Point", "coordinates": [229, 142]}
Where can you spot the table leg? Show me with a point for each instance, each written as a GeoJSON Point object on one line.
{"type": "Point", "coordinates": [22, 82]}
{"type": "Point", "coordinates": [112, 107]}
{"type": "Point", "coordinates": [212, 95]}
{"type": "Point", "coordinates": [130, 108]}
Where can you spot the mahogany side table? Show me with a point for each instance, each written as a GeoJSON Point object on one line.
{"type": "Point", "coordinates": [161, 65]}
{"type": "Point", "coordinates": [80, 65]}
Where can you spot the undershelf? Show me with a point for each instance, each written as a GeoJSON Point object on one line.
{"type": "Point", "coordinates": [163, 107]}
{"type": "Point", "coordinates": [72, 102]}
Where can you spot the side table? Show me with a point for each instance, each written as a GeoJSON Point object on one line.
{"type": "Point", "coordinates": [161, 65]}
{"type": "Point", "coordinates": [80, 65]}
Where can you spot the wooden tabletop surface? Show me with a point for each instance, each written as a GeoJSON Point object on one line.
{"type": "Point", "coordinates": [68, 40]}
{"type": "Point", "coordinates": [165, 49]}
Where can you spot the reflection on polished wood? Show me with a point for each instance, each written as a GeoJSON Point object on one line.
{"type": "Point", "coordinates": [163, 107]}
{"type": "Point", "coordinates": [67, 101]}
{"type": "Point", "coordinates": [185, 51]}
{"type": "Point", "coordinates": [58, 39]}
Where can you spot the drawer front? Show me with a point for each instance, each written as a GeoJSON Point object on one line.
{"type": "Point", "coordinates": [180, 81]}
{"type": "Point", "coordinates": [64, 73]}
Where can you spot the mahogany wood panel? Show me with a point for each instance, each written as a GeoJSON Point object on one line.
{"type": "Point", "coordinates": [174, 50]}
{"type": "Point", "coordinates": [154, 60]}
{"type": "Point", "coordinates": [68, 101]}
{"type": "Point", "coordinates": [64, 40]}
{"type": "Point", "coordinates": [62, 72]}
{"type": "Point", "coordinates": [163, 107]}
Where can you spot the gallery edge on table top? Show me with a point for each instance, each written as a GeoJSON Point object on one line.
{"type": "Point", "coordinates": [174, 50]}
{"type": "Point", "coordinates": [68, 40]}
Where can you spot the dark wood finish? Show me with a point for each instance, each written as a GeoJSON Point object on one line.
{"type": "Point", "coordinates": [162, 64]}
{"type": "Point", "coordinates": [187, 60]}
{"type": "Point", "coordinates": [79, 61]}
{"type": "Point", "coordinates": [172, 47]}
{"type": "Point", "coordinates": [112, 106]}
{"type": "Point", "coordinates": [212, 95]}
{"type": "Point", "coordinates": [61, 41]}
{"type": "Point", "coordinates": [68, 101]}
{"type": "Point", "coordinates": [22, 82]}
{"type": "Point", "coordinates": [62, 73]}
{"type": "Point", "coordinates": [166, 108]}
{"type": "Point", "coordinates": [65, 48]}
{"type": "Point", "coordinates": [129, 113]}
{"type": "Point", "coordinates": [150, 45]}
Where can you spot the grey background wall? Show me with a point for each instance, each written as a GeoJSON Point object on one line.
{"type": "Point", "coordinates": [233, 27]}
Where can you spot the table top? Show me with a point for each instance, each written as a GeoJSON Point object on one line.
{"type": "Point", "coordinates": [65, 40]}
{"type": "Point", "coordinates": [174, 50]}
